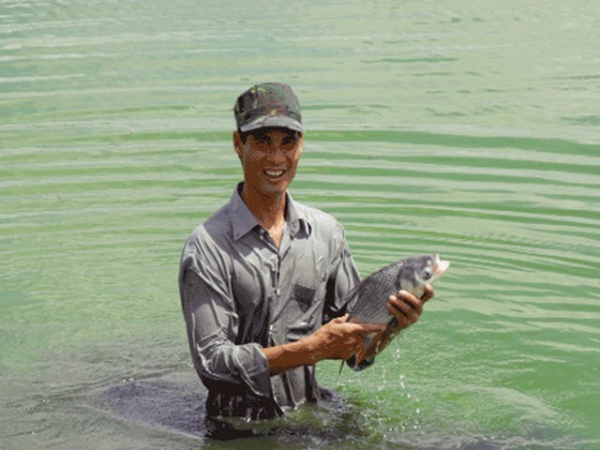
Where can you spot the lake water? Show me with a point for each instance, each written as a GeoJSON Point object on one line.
{"type": "Point", "coordinates": [471, 129]}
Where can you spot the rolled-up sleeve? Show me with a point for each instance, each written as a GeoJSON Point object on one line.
{"type": "Point", "coordinates": [212, 325]}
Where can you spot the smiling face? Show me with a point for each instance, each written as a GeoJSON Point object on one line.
{"type": "Point", "coordinates": [269, 158]}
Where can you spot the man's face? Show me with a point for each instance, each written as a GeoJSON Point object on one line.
{"type": "Point", "coordinates": [269, 158]}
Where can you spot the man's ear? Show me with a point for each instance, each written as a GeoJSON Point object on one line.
{"type": "Point", "coordinates": [237, 144]}
{"type": "Point", "coordinates": [301, 141]}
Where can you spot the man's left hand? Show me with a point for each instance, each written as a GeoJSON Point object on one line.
{"type": "Point", "coordinates": [406, 308]}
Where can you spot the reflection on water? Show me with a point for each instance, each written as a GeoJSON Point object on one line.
{"type": "Point", "coordinates": [463, 130]}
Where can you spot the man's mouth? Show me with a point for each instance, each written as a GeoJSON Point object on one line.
{"type": "Point", "coordinates": [274, 173]}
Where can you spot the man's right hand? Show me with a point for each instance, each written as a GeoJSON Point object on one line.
{"type": "Point", "coordinates": [339, 339]}
{"type": "Point", "coordinates": [336, 339]}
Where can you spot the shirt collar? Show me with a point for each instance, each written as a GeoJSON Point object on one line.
{"type": "Point", "coordinates": [243, 221]}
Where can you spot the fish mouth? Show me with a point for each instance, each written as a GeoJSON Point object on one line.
{"type": "Point", "coordinates": [440, 266]}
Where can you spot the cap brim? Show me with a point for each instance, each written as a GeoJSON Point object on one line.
{"type": "Point", "coordinates": [273, 121]}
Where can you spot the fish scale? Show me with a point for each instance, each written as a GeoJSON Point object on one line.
{"type": "Point", "coordinates": [369, 298]}
{"type": "Point", "coordinates": [379, 285]}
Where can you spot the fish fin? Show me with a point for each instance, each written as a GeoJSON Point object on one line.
{"type": "Point", "coordinates": [367, 339]}
{"type": "Point", "coordinates": [391, 325]}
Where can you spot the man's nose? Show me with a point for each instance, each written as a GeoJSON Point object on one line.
{"type": "Point", "coordinates": [277, 154]}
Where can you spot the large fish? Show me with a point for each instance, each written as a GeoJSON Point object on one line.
{"type": "Point", "coordinates": [369, 298]}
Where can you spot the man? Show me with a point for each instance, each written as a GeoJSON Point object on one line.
{"type": "Point", "coordinates": [262, 281]}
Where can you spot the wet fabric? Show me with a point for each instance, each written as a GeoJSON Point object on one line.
{"type": "Point", "coordinates": [240, 292]}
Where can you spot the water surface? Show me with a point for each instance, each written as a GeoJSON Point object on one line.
{"type": "Point", "coordinates": [465, 129]}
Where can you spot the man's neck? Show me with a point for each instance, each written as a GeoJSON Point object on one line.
{"type": "Point", "coordinates": [269, 211]}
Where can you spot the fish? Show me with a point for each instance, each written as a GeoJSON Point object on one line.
{"type": "Point", "coordinates": [369, 298]}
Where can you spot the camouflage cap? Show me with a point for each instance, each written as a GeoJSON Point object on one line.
{"type": "Point", "coordinates": [268, 105]}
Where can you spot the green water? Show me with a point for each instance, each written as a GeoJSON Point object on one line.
{"type": "Point", "coordinates": [471, 129]}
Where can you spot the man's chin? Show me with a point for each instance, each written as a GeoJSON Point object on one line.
{"type": "Point", "coordinates": [272, 190]}
{"type": "Point", "coordinates": [276, 185]}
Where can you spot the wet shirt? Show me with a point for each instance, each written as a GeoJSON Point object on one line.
{"type": "Point", "coordinates": [240, 292]}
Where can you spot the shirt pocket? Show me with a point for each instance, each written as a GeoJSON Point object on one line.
{"type": "Point", "coordinates": [304, 296]}
{"type": "Point", "coordinates": [304, 310]}
{"type": "Point", "coordinates": [300, 311]}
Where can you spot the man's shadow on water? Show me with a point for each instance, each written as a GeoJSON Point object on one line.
{"type": "Point", "coordinates": [179, 407]}
{"type": "Point", "coordinates": [175, 407]}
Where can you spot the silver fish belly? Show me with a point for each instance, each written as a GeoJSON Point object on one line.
{"type": "Point", "coordinates": [368, 300]}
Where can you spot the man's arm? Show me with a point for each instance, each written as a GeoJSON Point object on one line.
{"type": "Point", "coordinates": [211, 322]}
{"type": "Point", "coordinates": [337, 339]}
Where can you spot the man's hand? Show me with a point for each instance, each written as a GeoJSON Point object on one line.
{"type": "Point", "coordinates": [339, 339]}
{"type": "Point", "coordinates": [406, 308]}
{"type": "Point", "coordinates": [336, 339]}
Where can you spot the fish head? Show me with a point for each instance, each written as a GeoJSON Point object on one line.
{"type": "Point", "coordinates": [418, 271]}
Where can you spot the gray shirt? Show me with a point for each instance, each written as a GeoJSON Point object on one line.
{"type": "Point", "coordinates": [240, 292]}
